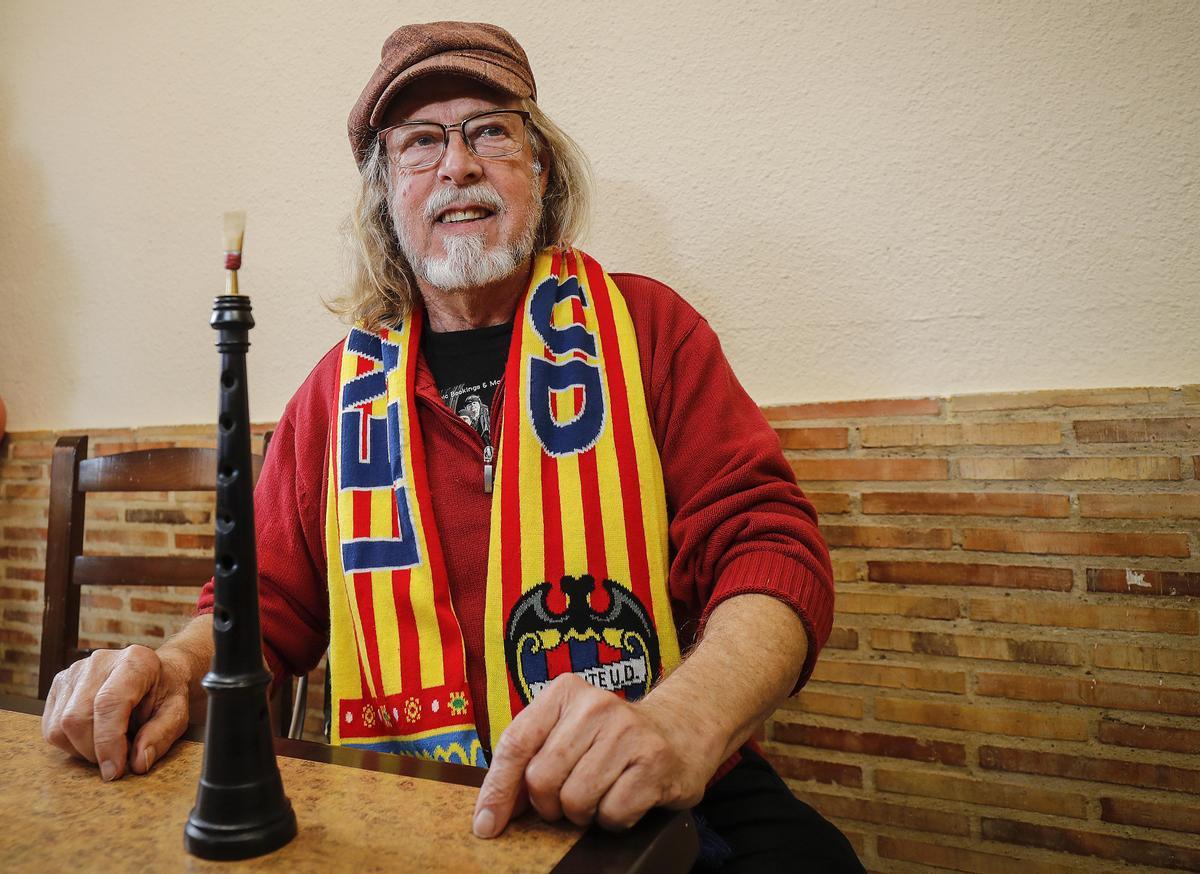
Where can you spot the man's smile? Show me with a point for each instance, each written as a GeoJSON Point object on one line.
{"type": "Point", "coordinates": [457, 215]}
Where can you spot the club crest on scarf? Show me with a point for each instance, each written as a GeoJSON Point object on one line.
{"type": "Point", "coordinates": [602, 634]}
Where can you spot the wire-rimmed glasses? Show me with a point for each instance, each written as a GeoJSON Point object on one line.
{"type": "Point", "coordinates": [494, 133]}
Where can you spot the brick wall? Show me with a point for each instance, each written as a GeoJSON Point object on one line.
{"type": "Point", "coordinates": [1013, 672]}
{"type": "Point", "coordinates": [1013, 669]}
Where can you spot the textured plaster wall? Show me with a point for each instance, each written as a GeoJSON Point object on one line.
{"type": "Point", "coordinates": [909, 198]}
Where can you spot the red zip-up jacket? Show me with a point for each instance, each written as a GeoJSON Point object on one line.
{"type": "Point", "coordinates": [738, 522]}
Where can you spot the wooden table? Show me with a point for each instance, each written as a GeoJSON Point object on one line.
{"type": "Point", "coordinates": [358, 811]}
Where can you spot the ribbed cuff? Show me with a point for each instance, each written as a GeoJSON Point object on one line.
{"type": "Point", "coordinates": [782, 577]}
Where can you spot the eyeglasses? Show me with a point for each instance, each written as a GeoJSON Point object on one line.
{"type": "Point", "coordinates": [491, 134]}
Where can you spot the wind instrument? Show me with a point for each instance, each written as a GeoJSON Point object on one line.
{"type": "Point", "coordinates": [241, 809]}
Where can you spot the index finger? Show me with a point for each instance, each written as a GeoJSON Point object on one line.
{"type": "Point", "coordinates": [114, 702]}
{"type": "Point", "coordinates": [503, 787]}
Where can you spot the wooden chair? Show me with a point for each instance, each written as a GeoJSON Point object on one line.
{"type": "Point", "coordinates": [72, 476]}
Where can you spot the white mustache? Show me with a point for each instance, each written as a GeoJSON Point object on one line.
{"type": "Point", "coordinates": [480, 193]}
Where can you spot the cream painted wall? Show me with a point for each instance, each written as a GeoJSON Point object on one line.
{"type": "Point", "coordinates": [931, 197]}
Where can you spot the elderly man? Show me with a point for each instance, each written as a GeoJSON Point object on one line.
{"type": "Point", "coordinates": [521, 597]}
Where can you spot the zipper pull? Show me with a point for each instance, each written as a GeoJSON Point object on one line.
{"type": "Point", "coordinates": [488, 454]}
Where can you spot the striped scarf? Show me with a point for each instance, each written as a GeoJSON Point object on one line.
{"type": "Point", "coordinates": [577, 559]}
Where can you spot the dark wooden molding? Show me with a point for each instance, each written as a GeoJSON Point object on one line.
{"type": "Point", "coordinates": [141, 570]}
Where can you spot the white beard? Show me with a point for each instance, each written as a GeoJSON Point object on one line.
{"type": "Point", "coordinates": [469, 262]}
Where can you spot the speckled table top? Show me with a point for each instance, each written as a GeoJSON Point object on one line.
{"type": "Point", "coordinates": [57, 815]}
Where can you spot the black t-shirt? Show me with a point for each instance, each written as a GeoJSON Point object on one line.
{"type": "Point", "coordinates": [467, 366]}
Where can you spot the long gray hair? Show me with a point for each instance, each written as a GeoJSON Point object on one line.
{"type": "Point", "coordinates": [382, 289]}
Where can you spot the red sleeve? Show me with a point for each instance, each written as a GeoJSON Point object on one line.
{"type": "Point", "coordinates": [289, 528]}
{"type": "Point", "coordinates": [739, 523]}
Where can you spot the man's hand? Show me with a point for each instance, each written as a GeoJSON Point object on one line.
{"type": "Point", "coordinates": [586, 754]}
{"type": "Point", "coordinates": [91, 703]}
{"type": "Point", "coordinates": [583, 753]}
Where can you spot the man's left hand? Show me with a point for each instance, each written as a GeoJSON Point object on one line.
{"type": "Point", "coordinates": [583, 753]}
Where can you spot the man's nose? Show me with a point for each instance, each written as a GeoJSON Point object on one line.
{"type": "Point", "coordinates": [459, 164]}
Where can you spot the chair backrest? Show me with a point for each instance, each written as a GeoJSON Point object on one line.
{"type": "Point", "coordinates": [72, 476]}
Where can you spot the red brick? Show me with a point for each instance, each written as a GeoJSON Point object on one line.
{"type": "Point", "coordinates": [100, 601]}
{"type": "Point", "coordinates": [126, 537]}
{"type": "Point", "coordinates": [1151, 814]}
{"type": "Point", "coordinates": [846, 571]}
{"type": "Point", "coordinates": [1137, 467]}
{"type": "Point", "coordinates": [1063, 614]}
{"type": "Point", "coordinates": [1120, 771]}
{"type": "Point", "coordinates": [930, 573]}
{"type": "Point", "coordinates": [13, 593]}
{"type": "Point", "coordinates": [840, 807]}
{"type": "Point", "coordinates": [853, 409]}
{"type": "Point", "coordinates": [1006, 504]}
{"type": "Point", "coordinates": [885, 537]}
{"type": "Point", "coordinates": [1144, 658]}
{"type": "Point", "coordinates": [1090, 693]}
{"type": "Point", "coordinates": [21, 512]}
{"type": "Point", "coordinates": [24, 490]}
{"type": "Point", "coordinates": [869, 469]}
{"type": "Point", "coordinates": [22, 617]}
{"type": "Point", "coordinates": [828, 704]}
{"type": "Point", "coordinates": [889, 676]}
{"type": "Point", "coordinates": [912, 606]}
{"type": "Point", "coordinates": [970, 646]}
{"type": "Point", "coordinates": [942, 855]}
{"type": "Point", "coordinates": [1137, 430]}
{"type": "Point", "coordinates": [842, 638]}
{"type": "Point", "coordinates": [814, 438]}
{"type": "Point", "coordinates": [871, 743]}
{"type": "Point", "coordinates": [965, 434]}
{"type": "Point", "coordinates": [37, 535]}
{"type": "Point", "coordinates": [16, 572]}
{"type": "Point", "coordinates": [1081, 843]}
{"type": "Point", "coordinates": [167, 517]}
{"type": "Point", "coordinates": [20, 553]}
{"type": "Point", "coordinates": [32, 450]}
{"type": "Point", "coordinates": [1144, 582]}
{"type": "Point", "coordinates": [172, 608]}
{"type": "Point", "coordinates": [829, 503]}
{"type": "Point", "coordinates": [796, 768]}
{"type": "Point", "coordinates": [1086, 397]}
{"type": "Point", "coordinates": [194, 541]}
{"type": "Point", "coordinates": [1151, 506]}
{"type": "Point", "coordinates": [1149, 737]}
{"type": "Point", "coordinates": [984, 719]}
{"type": "Point", "coordinates": [1076, 542]}
{"type": "Point", "coordinates": [106, 625]}
{"type": "Point", "coordinates": [973, 790]}
{"type": "Point", "coordinates": [18, 637]}
{"type": "Point", "coordinates": [22, 657]}
{"type": "Point", "coordinates": [10, 471]}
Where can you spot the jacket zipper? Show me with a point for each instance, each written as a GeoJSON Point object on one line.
{"type": "Point", "coordinates": [488, 452]}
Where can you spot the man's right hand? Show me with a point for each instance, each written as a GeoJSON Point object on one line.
{"type": "Point", "coordinates": [90, 706]}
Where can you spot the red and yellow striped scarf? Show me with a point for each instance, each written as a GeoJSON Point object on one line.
{"type": "Point", "coordinates": [577, 560]}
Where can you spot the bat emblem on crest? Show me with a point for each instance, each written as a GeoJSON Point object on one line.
{"type": "Point", "coordinates": [604, 634]}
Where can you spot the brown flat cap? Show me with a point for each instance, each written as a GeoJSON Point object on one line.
{"type": "Point", "coordinates": [483, 52]}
